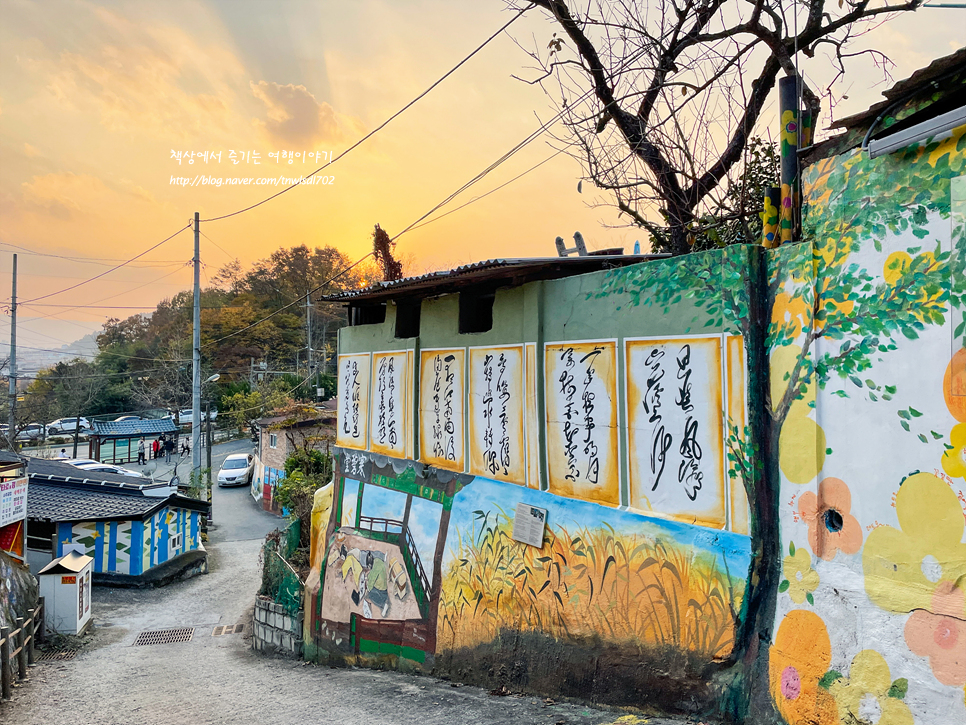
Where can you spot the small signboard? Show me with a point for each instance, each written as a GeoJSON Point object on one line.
{"type": "Point", "coordinates": [68, 579]}
{"type": "Point", "coordinates": [528, 524]}
{"type": "Point", "coordinates": [13, 500]}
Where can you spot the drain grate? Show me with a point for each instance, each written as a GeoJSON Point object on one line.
{"type": "Point", "coordinates": [228, 629]}
{"type": "Point", "coordinates": [57, 654]}
{"type": "Point", "coordinates": [164, 636]}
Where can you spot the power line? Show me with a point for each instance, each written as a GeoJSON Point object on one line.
{"type": "Point", "coordinates": [383, 124]}
{"type": "Point", "coordinates": [102, 274]}
{"type": "Point", "coordinates": [483, 196]}
{"type": "Point", "coordinates": [90, 260]}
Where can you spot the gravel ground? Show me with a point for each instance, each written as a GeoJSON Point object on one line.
{"type": "Point", "coordinates": [221, 680]}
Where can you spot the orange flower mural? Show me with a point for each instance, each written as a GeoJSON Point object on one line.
{"type": "Point", "coordinates": [941, 636]}
{"type": "Point", "coordinates": [954, 386]}
{"type": "Point", "coordinates": [797, 661]}
{"type": "Point", "coordinates": [831, 526]}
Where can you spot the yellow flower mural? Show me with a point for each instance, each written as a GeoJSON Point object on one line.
{"type": "Point", "coordinates": [800, 578]}
{"type": "Point", "coordinates": [802, 444]}
{"type": "Point", "coordinates": [797, 661]}
{"type": "Point", "coordinates": [868, 694]}
{"type": "Point", "coordinates": [904, 567]}
{"type": "Point", "coordinates": [954, 459]}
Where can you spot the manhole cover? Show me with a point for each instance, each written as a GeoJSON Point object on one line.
{"type": "Point", "coordinates": [57, 654]}
{"type": "Point", "coordinates": [164, 636]}
{"type": "Point", "coordinates": [228, 629]}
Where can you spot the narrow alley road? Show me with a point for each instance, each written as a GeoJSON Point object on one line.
{"type": "Point", "coordinates": [221, 680]}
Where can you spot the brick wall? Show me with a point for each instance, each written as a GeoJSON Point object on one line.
{"type": "Point", "coordinates": [275, 631]}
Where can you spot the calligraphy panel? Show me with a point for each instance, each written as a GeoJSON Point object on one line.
{"type": "Point", "coordinates": [353, 401]}
{"type": "Point", "coordinates": [583, 446]}
{"type": "Point", "coordinates": [496, 402]}
{"type": "Point", "coordinates": [389, 424]}
{"type": "Point", "coordinates": [441, 408]}
{"type": "Point", "coordinates": [674, 427]}
{"type": "Point", "coordinates": [532, 430]}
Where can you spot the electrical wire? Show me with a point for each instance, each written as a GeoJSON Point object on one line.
{"type": "Point", "coordinates": [91, 260]}
{"type": "Point", "coordinates": [383, 124]}
{"type": "Point", "coordinates": [112, 269]}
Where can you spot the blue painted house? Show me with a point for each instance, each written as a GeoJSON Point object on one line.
{"type": "Point", "coordinates": [135, 532]}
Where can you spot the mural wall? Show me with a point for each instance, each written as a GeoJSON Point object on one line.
{"type": "Point", "coordinates": [867, 362]}
{"type": "Point", "coordinates": [707, 484]}
{"type": "Point", "coordinates": [133, 547]}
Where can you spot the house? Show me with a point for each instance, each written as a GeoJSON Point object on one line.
{"type": "Point", "coordinates": [137, 533]}
{"type": "Point", "coordinates": [689, 484]}
{"type": "Point", "coordinates": [116, 441]}
{"type": "Point", "coordinates": [279, 436]}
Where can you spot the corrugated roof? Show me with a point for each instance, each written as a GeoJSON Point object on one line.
{"type": "Point", "coordinates": [497, 272]}
{"type": "Point", "coordinates": [133, 428]}
{"type": "Point", "coordinates": [935, 70]}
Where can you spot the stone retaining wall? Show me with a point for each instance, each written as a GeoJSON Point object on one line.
{"type": "Point", "coordinates": [275, 631]}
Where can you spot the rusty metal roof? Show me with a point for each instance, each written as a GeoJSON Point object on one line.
{"type": "Point", "coordinates": [921, 78]}
{"type": "Point", "coordinates": [491, 272]}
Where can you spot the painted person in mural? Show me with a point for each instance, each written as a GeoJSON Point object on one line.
{"type": "Point", "coordinates": [371, 577]}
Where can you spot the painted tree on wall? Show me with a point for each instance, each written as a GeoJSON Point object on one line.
{"type": "Point", "coordinates": [817, 292]}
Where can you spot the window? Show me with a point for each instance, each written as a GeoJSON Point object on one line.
{"type": "Point", "coordinates": [476, 311]}
{"type": "Point", "coordinates": [367, 315]}
{"type": "Point", "coordinates": [272, 440]}
{"type": "Point", "coordinates": [174, 543]}
{"type": "Point", "coordinates": [407, 319]}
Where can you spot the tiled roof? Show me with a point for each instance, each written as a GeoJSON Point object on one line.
{"type": "Point", "coordinates": [133, 428]}
{"type": "Point", "coordinates": [67, 502]}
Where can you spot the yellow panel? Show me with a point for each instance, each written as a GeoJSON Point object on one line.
{"type": "Point", "coordinates": [441, 408]}
{"type": "Point", "coordinates": [388, 432]}
{"type": "Point", "coordinates": [737, 407]}
{"type": "Point", "coordinates": [496, 401]}
{"type": "Point", "coordinates": [353, 401]}
{"type": "Point", "coordinates": [533, 419]}
{"type": "Point", "coordinates": [583, 451]}
{"type": "Point", "coordinates": [674, 428]}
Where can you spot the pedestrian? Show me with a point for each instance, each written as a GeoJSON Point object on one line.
{"type": "Point", "coordinates": [141, 460]}
{"type": "Point", "coordinates": [185, 448]}
{"type": "Point", "coordinates": [168, 449]}
{"type": "Point", "coordinates": [63, 453]}
{"type": "Point", "coordinates": [155, 446]}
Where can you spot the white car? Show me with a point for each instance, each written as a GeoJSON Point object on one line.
{"type": "Point", "coordinates": [68, 425]}
{"type": "Point", "coordinates": [96, 467]}
{"type": "Point", "coordinates": [31, 432]}
{"type": "Point", "coordinates": [186, 416]}
{"type": "Point", "coordinates": [237, 470]}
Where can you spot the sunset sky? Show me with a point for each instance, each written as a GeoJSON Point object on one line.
{"type": "Point", "coordinates": [95, 95]}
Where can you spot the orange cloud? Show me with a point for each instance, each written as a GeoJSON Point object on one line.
{"type": "Point", "coordinates": [294, 116]}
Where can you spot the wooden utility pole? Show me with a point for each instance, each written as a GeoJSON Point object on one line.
{"type": "Point", "coordinates": [196, 357]}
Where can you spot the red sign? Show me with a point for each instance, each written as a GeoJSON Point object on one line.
{"type": "Point", "coordinates": [68, 580]}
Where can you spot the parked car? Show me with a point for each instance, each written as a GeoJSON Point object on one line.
{"type": "Point", "coordinates": [186, 415]}
{"type": "Point", "coordinates": [32, 432]}
{"type": "Point", "coordinates": [97, 467]}
{"type": "Point", "coordinates": [68, 425]}
{"type": "Point", "coordinates": [237, 470]}
{"type": "Point", "coordinates": [127, 417]}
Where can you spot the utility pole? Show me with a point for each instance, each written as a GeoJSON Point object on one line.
{"type": "Point", "coordinates": [308, 333]}
{"type": "Point", "coordinates": [208, 438]}
{"type": "Point", "coordinates": [12, 422]}
{"type": "Point", "coordinates": [196, 357]}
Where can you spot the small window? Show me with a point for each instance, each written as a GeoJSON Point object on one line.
{"type": "Point", "coordinates": [407, 319]}
{"type": "Point", "coordinates": [174, 543]}
{"type": "Point", "coordinates": [272, 440]}
{"type": "Point", "coordinates": [367, 315]}
{"type": "Point", "coordinates": [476, 311]}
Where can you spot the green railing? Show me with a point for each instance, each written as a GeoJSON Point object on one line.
{"type": "Point", "coordinates": [280, 582]}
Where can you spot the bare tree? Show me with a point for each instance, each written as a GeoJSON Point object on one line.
{"type": "Point", "coordinates": [660, 97]}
